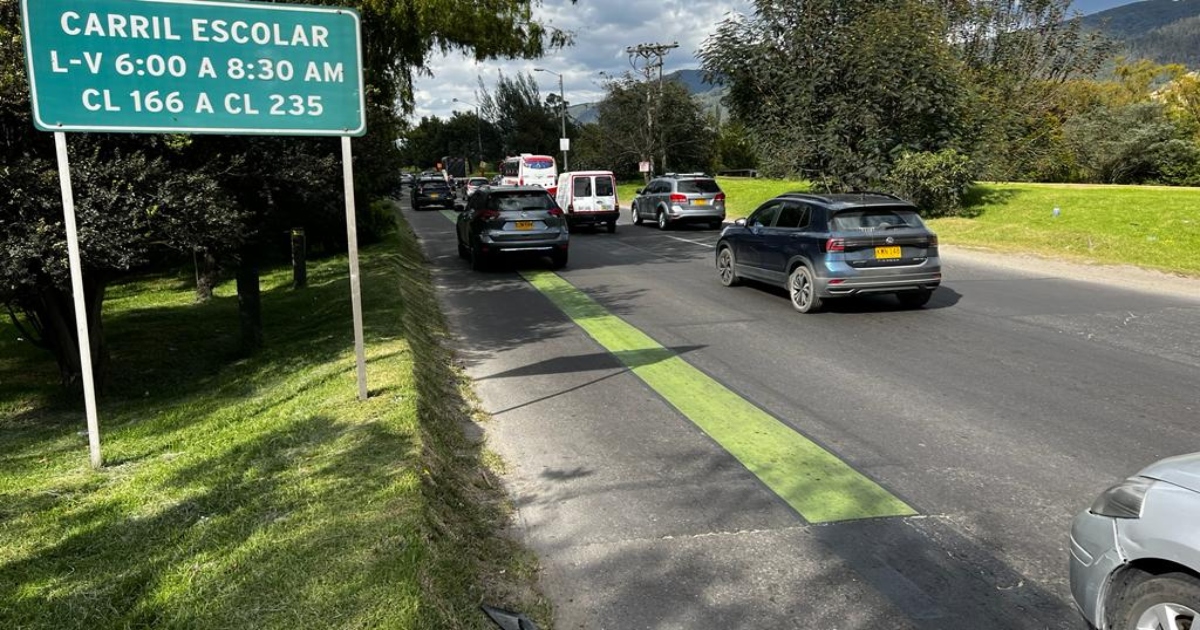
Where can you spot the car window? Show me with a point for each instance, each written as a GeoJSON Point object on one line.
{"type": "Point", "coordinates": [793, 216]}
{"type": "Point", "coordinates": [604, 186]}
{"type": "Point", "coordinates": [539, 164]}
{"type": "Point", "coordinates": [583, 186]}
{"type": "Point", "coordinates": [477, 181]}
{"type": "Point", "coordinates": [517, 201]}
{"type": "Point", "coordinates": [765, 215]}
{"type": "Point", "coordinates": [698, 186]}
{"type": "Point", "coordinates": [879, 218]}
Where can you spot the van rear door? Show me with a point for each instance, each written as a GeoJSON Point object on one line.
{"type": "Point", "coordinates": [593, 193]}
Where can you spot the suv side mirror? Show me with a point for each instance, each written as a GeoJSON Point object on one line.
{"type": "Point", "coordinates": [740, 223]}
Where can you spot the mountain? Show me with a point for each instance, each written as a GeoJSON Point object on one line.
{"type": "Point", "coordinates": [1087, 7]}
{"type": "Point", "coordinates": [1166, 31]}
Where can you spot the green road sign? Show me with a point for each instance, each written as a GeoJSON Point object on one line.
{"type": "Point", "coordinates": [194, 66]}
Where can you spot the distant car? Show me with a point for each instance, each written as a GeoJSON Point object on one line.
{"type": "Point", "coordinates": [510, 220]}
{"type": "Point", "coordinates": [407, 179]}
{"type": "Point", "coordinates": [473, 184]}
{"type": "Point", "coordinates": [432, 191]}
{"type": "Point", "coordinates": [675, 199]}
{"type": "Point", "coordinates": [1135, 554]}
{"type": "Point", "coordinates": [823, 247]}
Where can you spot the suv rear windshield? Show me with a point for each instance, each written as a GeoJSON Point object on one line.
{"type": "Point", "coordinates": [539, 164]}
{"type": "Point", "coordinates": [477, 181]}
{"type": "Point", "coordinates": [700, 186]}
{"type": "Point", "coordinates": [870, 219]}
{"type": "Point", "coordinates": [516, 201]}
{"type": "Point", "coordinates": [434, 183]}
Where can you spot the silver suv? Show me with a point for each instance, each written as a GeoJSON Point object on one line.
{"type": "Point", "coordinates": [674, 199]}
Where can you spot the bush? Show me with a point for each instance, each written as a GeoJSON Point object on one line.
{"type": "Point", "coordinates": [935, 182]}
{"type": "Point", "coordinates": [377, 222]}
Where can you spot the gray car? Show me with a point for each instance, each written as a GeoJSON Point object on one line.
{"type": "Point", "coordinates": [510, 220]}
{"type": "Point", "coordinates": [1135, 554]}
{"type": "Point", "coordinates": [675, 199]}
{"type": "Point", "coordinates": [820, 247]}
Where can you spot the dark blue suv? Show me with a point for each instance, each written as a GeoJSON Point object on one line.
{"type": "Point", "coordinates": [827, 246]}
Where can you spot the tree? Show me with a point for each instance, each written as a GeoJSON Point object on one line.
{"type": "Point", "coordinates": [836, 89]}
{"type": "Point", "coordinates": [622, 136]}
{"type": "Point", "coordinates": [524, 122]}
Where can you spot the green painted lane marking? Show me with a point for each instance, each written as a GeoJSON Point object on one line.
{"type": "Point", "coordinates": [821, 487]}
{"type": "Point", "coordinates": [450, 214]}
{"type": "Point", "coordinates": [818, 485]}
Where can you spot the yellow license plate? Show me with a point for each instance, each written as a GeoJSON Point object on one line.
{"type": "Point", "coordinates": [700, 202]}
{"type": "Point", "coordinates": [433, 195]}
{"type": "Point", "coordinates": [524, 225]}
{"type": "Point", "coordinates": [886, 253]}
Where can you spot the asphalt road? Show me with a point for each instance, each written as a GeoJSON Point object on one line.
{"type": "Point", "coordinates": [995, 413]}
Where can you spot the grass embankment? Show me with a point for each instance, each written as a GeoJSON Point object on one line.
{"type": "Point", "coordinates": [1149, 226]}
{"type": "Point", "coordinates": [256, 492]}
{"type": "Point", "coordinates": [742, 194]}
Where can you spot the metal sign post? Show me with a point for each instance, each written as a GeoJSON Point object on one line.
{"type": "Point", "coordinates": [355, 290]}
{"type": "Point", "coordinates": [193, 67]}
{"type": "Point", "coordinates": [81, 322]}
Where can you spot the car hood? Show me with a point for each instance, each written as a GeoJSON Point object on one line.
{"type": "Point", "coordinates": [1183, 471]}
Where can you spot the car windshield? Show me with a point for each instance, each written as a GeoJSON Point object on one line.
{"type": "Point", "coordinates": [515, 202]}
{"type": "Point", "coordinates": [477, 181]}
{"type": "Point", "coordinates": [699, 186]}
{"type": "Point", "coordinates": [539, 164]}
{"type": "Point", "coordinates": [870, 219]}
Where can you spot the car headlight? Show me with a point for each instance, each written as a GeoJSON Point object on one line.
{"type": "Point", "coordinates": [1123, 500]}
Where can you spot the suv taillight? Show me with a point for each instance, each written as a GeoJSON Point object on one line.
{"type": "Point", "coordinates": [488, 215]}
{"type": "Point", "coordinates": [678, 198]}
{"type": "Point", "coordinates": [933, 242]}
{"type": "Point", "coordinates": [556, 211]}
{"type": "Point", "coordinates": [835, 245]}
{"type": "Point", "coordinates": [719, 197]}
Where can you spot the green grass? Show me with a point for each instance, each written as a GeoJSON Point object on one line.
{"type": "Point", "coordinates": [742, 194]}
{"type": "Point", "coordinates": [1149, 226]}
{"type": "Point", "coordinates": [255, 492]}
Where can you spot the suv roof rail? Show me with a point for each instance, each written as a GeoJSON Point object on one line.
{"type": "Point", "coordinates": [686, 175]}
{"type": "Point", "coordinates": [807, 195]}
{"type": "Point", "coordinates": [876, 192]}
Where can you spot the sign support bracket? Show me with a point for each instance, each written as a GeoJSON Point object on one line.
{"type": "Point", "coordinates": [81, 319]}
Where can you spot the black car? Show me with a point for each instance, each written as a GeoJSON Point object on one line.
{"type": "Point", "coordinates": [512, 220]}
{"type": "Point", "coordinates": [827, 246]}
{"type": "Point", "coordinates": [432, 191]}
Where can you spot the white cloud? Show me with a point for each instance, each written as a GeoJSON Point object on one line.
{"type": "Point", "coordinates": [602, 29]}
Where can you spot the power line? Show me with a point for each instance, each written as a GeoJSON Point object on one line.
{"type": "Point", "coordinates": [651, 57]}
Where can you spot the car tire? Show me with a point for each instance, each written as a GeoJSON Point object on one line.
{"type": "Point", "coordinates": [914, 299]}
{"type": "Point", "coordinates": [463, 251]}
{"type": "Point", "coordinates": [558, 260]}
{"type": "Point", "coordinates": [416, 206]}
{"type": "Point", "coordinates": [1139, 598]}
{"type": "Point", "coordinates": [478, 259]}
{"type": "Point", "coordinates": [611, 226]}
{"type": "Point", "coordinates": [663, 222]}
{"type": "Point", "coordinates": [637, 218]}
{"type": "Point", "coordinates": [803, 291]}
{"type": "Point", "coordinates": [716, 225]}
{"type": "Point", "coordinates": [726, 267]}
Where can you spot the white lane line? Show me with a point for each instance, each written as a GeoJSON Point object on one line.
{"type": "Point", "coordinates": [688, 240]}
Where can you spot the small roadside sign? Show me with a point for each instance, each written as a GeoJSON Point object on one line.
{"type": "Point", "coordinates": [194, 66]}
{"type": "Point", "coordinates": [643, 167]}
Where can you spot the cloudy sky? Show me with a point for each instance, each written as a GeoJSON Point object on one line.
{"type": "Point", "coordinates": [602, 29]}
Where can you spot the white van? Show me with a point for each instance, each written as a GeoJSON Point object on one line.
{"type": "Point", "coordinates": [589, 198]}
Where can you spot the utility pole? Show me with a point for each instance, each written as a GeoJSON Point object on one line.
{"type": "Point", "coordinates": [562, 110]}
{"type": "Point", "coordinates": [651, 57]}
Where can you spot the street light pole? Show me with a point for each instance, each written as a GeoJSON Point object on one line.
{"type": "Point", "coordinates": [562, 108]}
{"type": "Point", "coordinates": [478, 131]}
